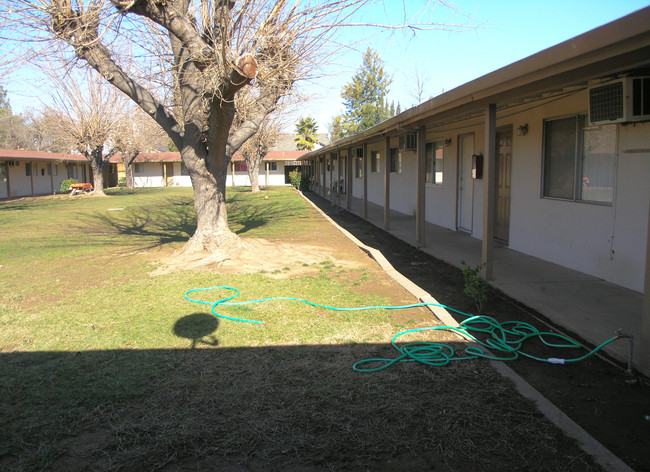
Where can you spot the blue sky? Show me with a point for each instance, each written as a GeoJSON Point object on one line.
{"type": "Point", "coordinates": [510, 30]}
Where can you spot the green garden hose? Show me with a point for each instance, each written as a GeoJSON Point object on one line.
{"type": "Point", "coordinates": [506, 338]}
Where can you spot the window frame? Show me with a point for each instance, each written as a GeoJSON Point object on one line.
{"type": "Point", "coordinates": [581, 126]}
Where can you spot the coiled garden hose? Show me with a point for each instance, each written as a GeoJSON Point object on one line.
{"type": "Point", "coordinates": [506, 338]}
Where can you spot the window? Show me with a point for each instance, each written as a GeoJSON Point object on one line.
{"type": "Point", "coordinates": [272, 166]}
{"type": "Point", "coordinates": [28, 169]}
{"type": "Point", "coordinates": [241, 167]}
{"type": "Point", "coordinates": [56, 169]}
{"type": "Point", "coordinates": [184, 169]}
{"type": "Point", "coordinates": [374, 161]}
{"type": "Point", "coordinates": [578, 160]}
{"type": "Point", "coordinates": [49, 168]}
{"type": "Point", "coordinates": [137, 168]}
{"type": "Point", "coordinates": [358, 167]}
{"type": "Point", "coordinates": [395, 161]}
{"type": "Point", "coordinates": [434, 152]}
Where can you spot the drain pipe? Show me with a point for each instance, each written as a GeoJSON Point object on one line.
{"type": "Point", "coordinates": [619, 335]}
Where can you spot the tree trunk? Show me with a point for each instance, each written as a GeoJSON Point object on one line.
{"type": "Point", "coordinates": [254, 176]}
{"type": "Point", "coordinates": [128, 170]}
{"type": "Point", "coordinates": [97, 166]}
{"type": "Point", "coordinates": [212, 232]}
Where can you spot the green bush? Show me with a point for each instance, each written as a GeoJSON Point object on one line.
{"type": "Point", "coordinates": [298, 180]}
{"type": "Point", "coordinates": [65, 185]}
{"type": "Point", "coordinates": [475, 286]}
{"type": "Point", "coordinates": [121, 182]}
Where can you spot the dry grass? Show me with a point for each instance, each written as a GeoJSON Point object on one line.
{"type": "Point", "coordinates": [118, 372]}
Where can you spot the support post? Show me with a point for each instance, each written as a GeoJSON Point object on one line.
{"type": "Point", "coordinates": [50, 167]}
{"type": "Point", "coordinates": [489, 189]}
{"type": "Point", "coordinates": [365, 181]}
{"type": "Point", "coordinates": [348, 181]}
{"type": "Point", "coordinates": [420, 233]}
{"type": "Point", "coordinates": [31, 175]}
{"type": "Point", "coordinates": [8, 181]}
{"type": "Point", "coordinates": [331, 184]}
{"type": "Point", "coordinates": [323, 189]}
{"type": "Point", "coordinates": [387, 182]}
{"type": "Point", "coordinates": [338, 176]}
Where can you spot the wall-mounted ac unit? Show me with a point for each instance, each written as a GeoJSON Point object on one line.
{"type": "Point", "coordinates": [408, 142]}
{"type": "Point", "coordinates": [621, 101]}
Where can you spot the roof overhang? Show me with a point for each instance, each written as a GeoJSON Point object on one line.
{"type": "Point", "coordinates": [608, 51]}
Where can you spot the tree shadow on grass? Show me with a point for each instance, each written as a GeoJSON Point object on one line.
{"type": "Point", "coordinates": [265, 408]}
{"type": "Point", "coordinates": [169, 223]}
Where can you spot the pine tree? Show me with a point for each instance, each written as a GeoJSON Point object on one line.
{"type": "Point", "coordinates": [364, 98]}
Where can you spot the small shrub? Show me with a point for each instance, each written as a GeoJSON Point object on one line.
{"type": "Point", "coordinates": [298, 180]}
{"type": "Point", "coordinates": [475, 286]}
{"type": "Point", "coordinates": [65, 185]}
{"type": "Point", "coordinates": [121, 183]}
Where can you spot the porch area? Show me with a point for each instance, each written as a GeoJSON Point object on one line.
{"type": "Point", "coordinates": [590, 307]}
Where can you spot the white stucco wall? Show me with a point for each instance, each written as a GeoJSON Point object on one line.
{"type": "Point", "coordinates": [150, 175]}
{"type": "Point", "coordinates": [21, 184]}
{"type": "Point", "coordinates": [603, 240]}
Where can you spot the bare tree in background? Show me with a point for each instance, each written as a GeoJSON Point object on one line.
{"type": "Point", "coordinates": [136, 132]}
{"type": "Point", "coordinates": [87, 113]}
{"type": "Point", "coordinates": [217, 48]}
{"type": "Point", "coordinates": [257, 146]}
{"type": "Point", "coordinates": [419, 84]}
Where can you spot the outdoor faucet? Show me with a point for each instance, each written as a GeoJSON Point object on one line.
{"type": "Point", "coordinates": [619, 334]}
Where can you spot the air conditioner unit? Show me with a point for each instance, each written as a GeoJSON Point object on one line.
{"type": "Point", "coordinates": [408, 142]}
{"type": "Point", "coordinates": [621, 101]}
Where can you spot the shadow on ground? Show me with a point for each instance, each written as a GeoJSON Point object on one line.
{"type": "Point", "coordinates": [603, 399]}
{"type": "Point", "coordinates": [265, 408]}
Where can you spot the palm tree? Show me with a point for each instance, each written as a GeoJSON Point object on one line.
{"type": "Point", "coordinates": [305, 138]}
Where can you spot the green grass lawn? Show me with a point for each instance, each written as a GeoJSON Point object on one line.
{"type": "Point", "coordinates": [98, 369]}
{"type": "Point", "coordinates": [75, 274]}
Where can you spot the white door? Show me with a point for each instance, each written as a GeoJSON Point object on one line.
{"type": "Point", "coordinates": [465, 182]}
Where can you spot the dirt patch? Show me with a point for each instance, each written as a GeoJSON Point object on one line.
{"type": "Point", "coordinates": [597, 393]}
{"type": "Point", "coordinates": [273, 258]}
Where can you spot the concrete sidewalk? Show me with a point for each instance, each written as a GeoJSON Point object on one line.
{"type": "Point", "coordinates": [587, 306]}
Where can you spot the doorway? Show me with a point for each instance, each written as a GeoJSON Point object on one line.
{"type": "Point", "coordinates": [464, 215]}
{"type": "Point", "coordinates": [503, 178]}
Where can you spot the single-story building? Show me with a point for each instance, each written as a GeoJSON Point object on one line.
{"type": "Point", "coordinates": [165, 169]}
{"type": "Point", "coordinates": [28, 173]}
{"type": "Point", "coordinates": [549, 156]}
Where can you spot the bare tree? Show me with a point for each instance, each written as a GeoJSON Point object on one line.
{"type": "Point", "coordinates": [419, 84]}
{"type": "Point", "coordinates": [136, 132]}
{"type": "Point", "coordinates": [216, 48]}
{"type": "Point", "coordinates": [87, 113]}
{"type": "Point", "coordinates": [257, 146]}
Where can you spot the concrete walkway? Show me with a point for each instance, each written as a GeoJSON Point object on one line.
{"type": "Point", "coordinates": [587, 306]}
